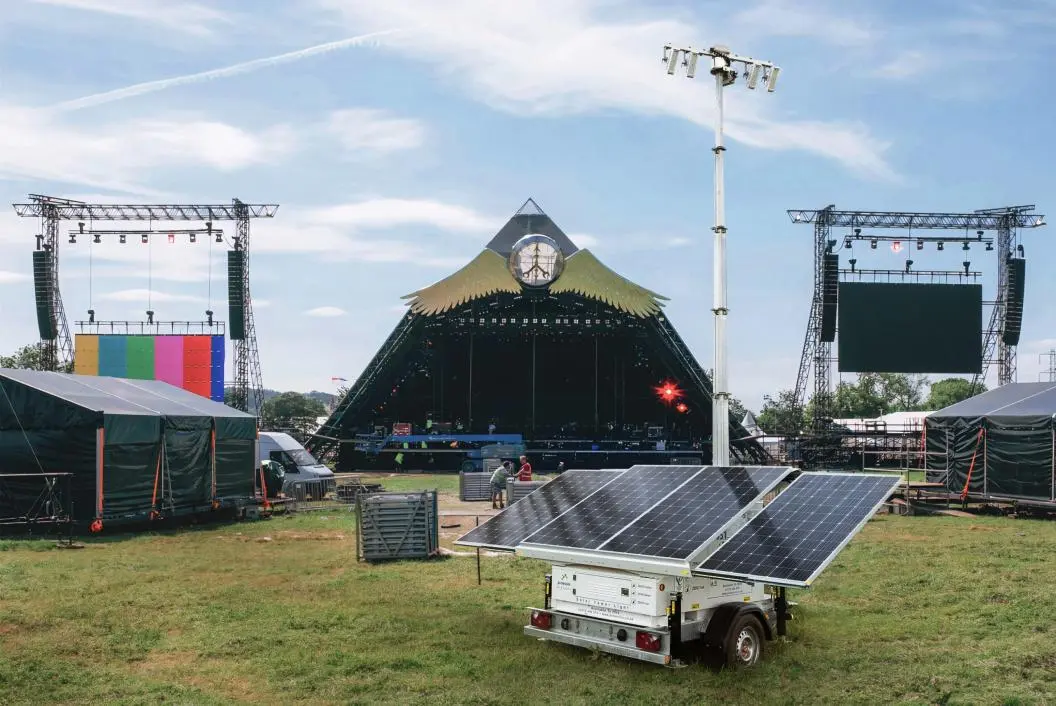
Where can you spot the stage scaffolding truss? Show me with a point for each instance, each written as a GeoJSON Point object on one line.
{"type": "Point", "coordinates": [1006, 222]}
{"type": "Point", "coordinates": [57, 350]}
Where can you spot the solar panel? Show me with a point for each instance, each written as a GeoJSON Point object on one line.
{"type": "Point", "coordinates": [691, 516]}
{"type": "Point", "coordinates": [507, 529]}
{"type": "Point", "coordinates": [595, 520]}
{"type": "Point", "coordinates": [797, 535]}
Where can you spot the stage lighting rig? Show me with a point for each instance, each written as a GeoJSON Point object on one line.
{"type": "Point", "coordinates": [722, 68]}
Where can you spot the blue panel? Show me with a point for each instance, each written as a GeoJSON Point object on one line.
{"type": "Point", "coordinates": [113, 356]}
{"type": "Point", "coordinates": [216, 369]}
{"type": "Point", "coordinates": [217, 351]}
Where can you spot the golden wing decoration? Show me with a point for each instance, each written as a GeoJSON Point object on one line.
{"type": "Point", "coordinates": [586, 275]}
{"type": "Point", "coordinates": [485, 274]}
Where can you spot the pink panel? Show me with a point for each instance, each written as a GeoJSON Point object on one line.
{"type": "Point", "coordinates": [168, 359]}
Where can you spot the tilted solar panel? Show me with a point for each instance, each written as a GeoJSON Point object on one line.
{"type": "Point", "coordinates": [797, 535]}
{"type": "Point", "coordinates": [507, 529]}
{"type": "Point", "coordinates": [687, 519]}
{"type": "Point", "coordinates": [595, 520]}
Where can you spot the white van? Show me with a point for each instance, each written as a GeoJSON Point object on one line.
{"type": "Point", "coordinates": [301, 467]}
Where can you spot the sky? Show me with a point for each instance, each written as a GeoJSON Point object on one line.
{"type": "Point", "coordinates": [399, 137]}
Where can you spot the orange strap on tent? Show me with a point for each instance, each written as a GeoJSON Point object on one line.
{"type": "Point", "coordinates": [154, 514]}
{"type": "Point", "coordinates": [212, 450]}
{"type": "Point", "coordinates": [100, 445]}
{"type": "Point", "coordinates": [264, 489]}
{"type": "Point", "coordinates": [971, 466]}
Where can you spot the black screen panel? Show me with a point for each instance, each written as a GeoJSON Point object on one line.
{"type": "Point", "coordinates": [910, 328]}
{"type": "Point", "coordinates": [507, 529]}
{"type": "Point", "coordinates": [796, 536]}
{"type": "Point", "coordinates": [606, 512]}
{"type": "Point", "coordinates": [689, 518]}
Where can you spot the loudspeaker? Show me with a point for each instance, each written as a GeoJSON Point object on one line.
{"type": "Point", "coordinates": [1016, 278]}
{"type": "Point", "coordinates": [43, 271]}
{"type": "Point", "coordinates": [830, 288]}
{"type": "Point", "coordinates": [236, 295]}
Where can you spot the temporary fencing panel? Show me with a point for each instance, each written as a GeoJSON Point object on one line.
{"type": "Point", "coordinates": [397, 526]}
{"type": "Point", "coordinates": [474, 486]}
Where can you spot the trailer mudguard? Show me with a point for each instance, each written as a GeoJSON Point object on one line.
{"type": "Point", "coordinates": [718, 628]}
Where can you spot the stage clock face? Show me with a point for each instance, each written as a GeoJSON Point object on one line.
{"type": "Point", "coordinates": [536, 260]}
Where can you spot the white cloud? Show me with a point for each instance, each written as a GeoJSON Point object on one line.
{"type": "Point", "coordinates": [362, 130]}
{"type": "Point", "coordinates": [188, 17]}
{"type": "Point", "coordinates": [325, 312]}
{"type": "Point", "coordinates": [381, 213]}
{"type": "Point", "coordinates": [582, 240]}
{"type": "Point", "coordinates": [35, 145]}
{"type": "Point", "coordinates": [906, 64]}
{"type": "Point", "coordinates": [560, 57]}
{"type": "Point", "coordinates": [781, 18]}
{"type": "Point", "coordinates": [11, 277]}
{"type": "Point", "coordinates": [261, 303]}
{"type": "Point", "coordinates": [145, 295]}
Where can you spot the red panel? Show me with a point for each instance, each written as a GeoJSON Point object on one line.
{"type": "Point", "coordinates": [197, 350]}
{"type": "Point", "coordinates": [199, 388]}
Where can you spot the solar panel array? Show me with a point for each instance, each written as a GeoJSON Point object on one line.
{"type": "Point", "coordinates": [507, 529]}
{"type": "Point", "coordinates": [797, 535]}
{"type": "Point", "coordinates": [688, 518]}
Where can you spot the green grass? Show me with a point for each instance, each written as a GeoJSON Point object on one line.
{"type": "Point", "coordinates": [918, 610]}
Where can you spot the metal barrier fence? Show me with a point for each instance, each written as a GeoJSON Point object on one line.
{"type": "Point", "coordinates": [397, 526]}
{"type": "Point", "coordinates": [517, 489]}
{"type": "Point", "coordinates": [474, 486]}
{"type": "Point", "coordinates": [305, 495]}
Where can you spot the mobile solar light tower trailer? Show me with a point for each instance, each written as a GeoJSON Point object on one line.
{"type": "Point", "coordinates": [657, 561]}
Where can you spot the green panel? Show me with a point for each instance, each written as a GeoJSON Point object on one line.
{"type": "Point", "coordinates": [140, 357]}
{"type": "Point", "coordinates": [128, 479]}
{"type": "Point", "coordinates": [188, 458]}
{"type": "Point", "coordinates": [910, 328]}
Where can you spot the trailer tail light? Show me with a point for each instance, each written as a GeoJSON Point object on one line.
{"type": "Point", "coordinates": [648, 641]}
{"type": "Point", "coordinates": [541, 619]}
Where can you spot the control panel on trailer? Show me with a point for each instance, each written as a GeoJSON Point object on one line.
{"type": "Point", "coordinates": [655, 561]}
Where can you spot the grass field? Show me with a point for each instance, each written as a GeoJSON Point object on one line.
{"type": "Point", "coordinates": [917, 610]}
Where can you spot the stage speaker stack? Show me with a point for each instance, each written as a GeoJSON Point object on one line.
{"type": "Point", "coordinates": [830, 288]}
{"type": "Point", "coordinates": [1016, 276]}
{"type": "Point", "coordinates": [236, 295]}
{"type": "Point", "coordinates": [43, 271]}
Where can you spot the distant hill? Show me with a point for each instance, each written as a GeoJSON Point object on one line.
{"type": "Point", "coordinates": [328, 399]}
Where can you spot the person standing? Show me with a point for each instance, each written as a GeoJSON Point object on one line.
{"type": "Point", "coordinates": [525, 472]}
{"type": "Point", "coordinates": [498, 485]}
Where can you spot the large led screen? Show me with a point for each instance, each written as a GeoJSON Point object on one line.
{"type": "Point", "coordinates": [910, 328]}
{"type": "Point", "coordinates": [195, 363]}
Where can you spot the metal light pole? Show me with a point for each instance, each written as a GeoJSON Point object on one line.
{"type": "Point", "coordinates": [722, 63]}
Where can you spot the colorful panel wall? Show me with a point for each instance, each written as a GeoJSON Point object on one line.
{"type": "Point", "coordinates": [195, 363]}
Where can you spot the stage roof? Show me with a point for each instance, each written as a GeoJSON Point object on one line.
{"type": "Point", "coordinates": [488, 274]}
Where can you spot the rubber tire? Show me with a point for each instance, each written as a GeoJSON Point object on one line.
{"type": "Point", "coordinates": [468, 467]}
{"type": "Point", "coordinates": [754, 628]}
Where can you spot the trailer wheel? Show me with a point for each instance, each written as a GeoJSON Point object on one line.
{"type": "Point", "coordinates": [468, 467]}
{"type": "Point", "coordinates": [744, 646]}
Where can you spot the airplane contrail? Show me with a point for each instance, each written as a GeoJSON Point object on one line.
{"type": "Point", "coordinates": [140, 89]}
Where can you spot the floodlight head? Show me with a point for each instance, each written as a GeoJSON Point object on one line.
{"type": "Point", "coordinates": [73, 238]}
{"type": "Point", "coordinates": [852, 262]}
{"type": "Point", "coordinates": [219, 237]}
{"type": "Point", "coordinates": [121, 238]}
{"type": "Point", "coordinates": [96, 239]}
{"type": "Point", "coordinates": [691, 64]}
{"type": "Point", "coordinates": [194, 238]}
{"type": "Point", "coordinates": [753, 75]}
{"type": "Point", "coordinates": [771, 81]}
{"type": "Point", "coordinates": [80, 225]}
{"type": "Point", "coordinates": [920, 245]}
{"type": "Point", "coordinates": [91, 316]}
{"type": "Point", "coordinates": [672, 61]}
{"type": "Point", "coordinates": [145, 238]}
{"type": "Point", "coordinates": [967, 266]}
{"type": "Point", "coordinates": [989, 247]}
{"type": "Point", "coordinates": [940, 245]}
{"type": "Point", "coordinates": [847, 242]}
{"type": "Point", "coordinates": [872, 243]}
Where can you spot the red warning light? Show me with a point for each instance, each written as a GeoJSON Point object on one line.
{"type": "Point", "coordinates": [172, 237]}
{"type": "Point", "coordinates": [668, 392]}
{"type": "Point", "coordinates": [682, 407]}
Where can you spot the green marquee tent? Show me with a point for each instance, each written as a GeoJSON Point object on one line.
{"type": "Point", "coordinates": [999, 444]}
{"type": "Point", "coordinates": [134, 449]}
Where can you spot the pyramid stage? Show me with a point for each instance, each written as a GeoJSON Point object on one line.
{"type": "Point", "coordinates": [536, 344]}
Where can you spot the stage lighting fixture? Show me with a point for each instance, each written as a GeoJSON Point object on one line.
{"type": "Point", "coordinates": [80, 226]}
{"type": "Point", "coordinates": [73, 238]}
{"type": "Point", "coordinates": [219, 237]}
{"type": "Point", "coordinates": [194, 238]}
{"type": "Point", "coordinates": [96, 238]}
{"type": "Point", "coordinates": [978, 235]}
{"type": "Point", "coordinates": [172, 237]}
{"type": "Point", "coordinates": [121, 238]}
{"type": "Point", "coordinates": [872, 243]}
{"type": "Point", "coordinates": [940, 245]}
{"type": "Point", "coordinates": [852, 262]}
{"type": "Point", "coordinates": [909, 263]}
{"type": "Point", "coordinates": [857, 232]}
{"type": "Point", "coordinates": [966, 247]}
{"type": "Point", "coordinates": [989, 247]}
{"type": "Point", "coordinates": [150, 316]}
{"type": "Point", "coordinates": [209, 316]}
{"type": "Point", "coordinates": [145, 238]}
{"type": "Point", "coordinates": [967, 265]}
{"type": "Point", "coordinates": [91, 316]}
{"type": "Point", "coordinates": [920, 245]}
{"type": "Point", "coordinates": [847, 242]}
{"type": "Point", "coordinates": [1019, 249]}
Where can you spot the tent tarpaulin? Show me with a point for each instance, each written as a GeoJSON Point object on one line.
{"type": "Point", "coordinates": [162, 447]}
{"type": "Point", "coordinates": [1010, 433]}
